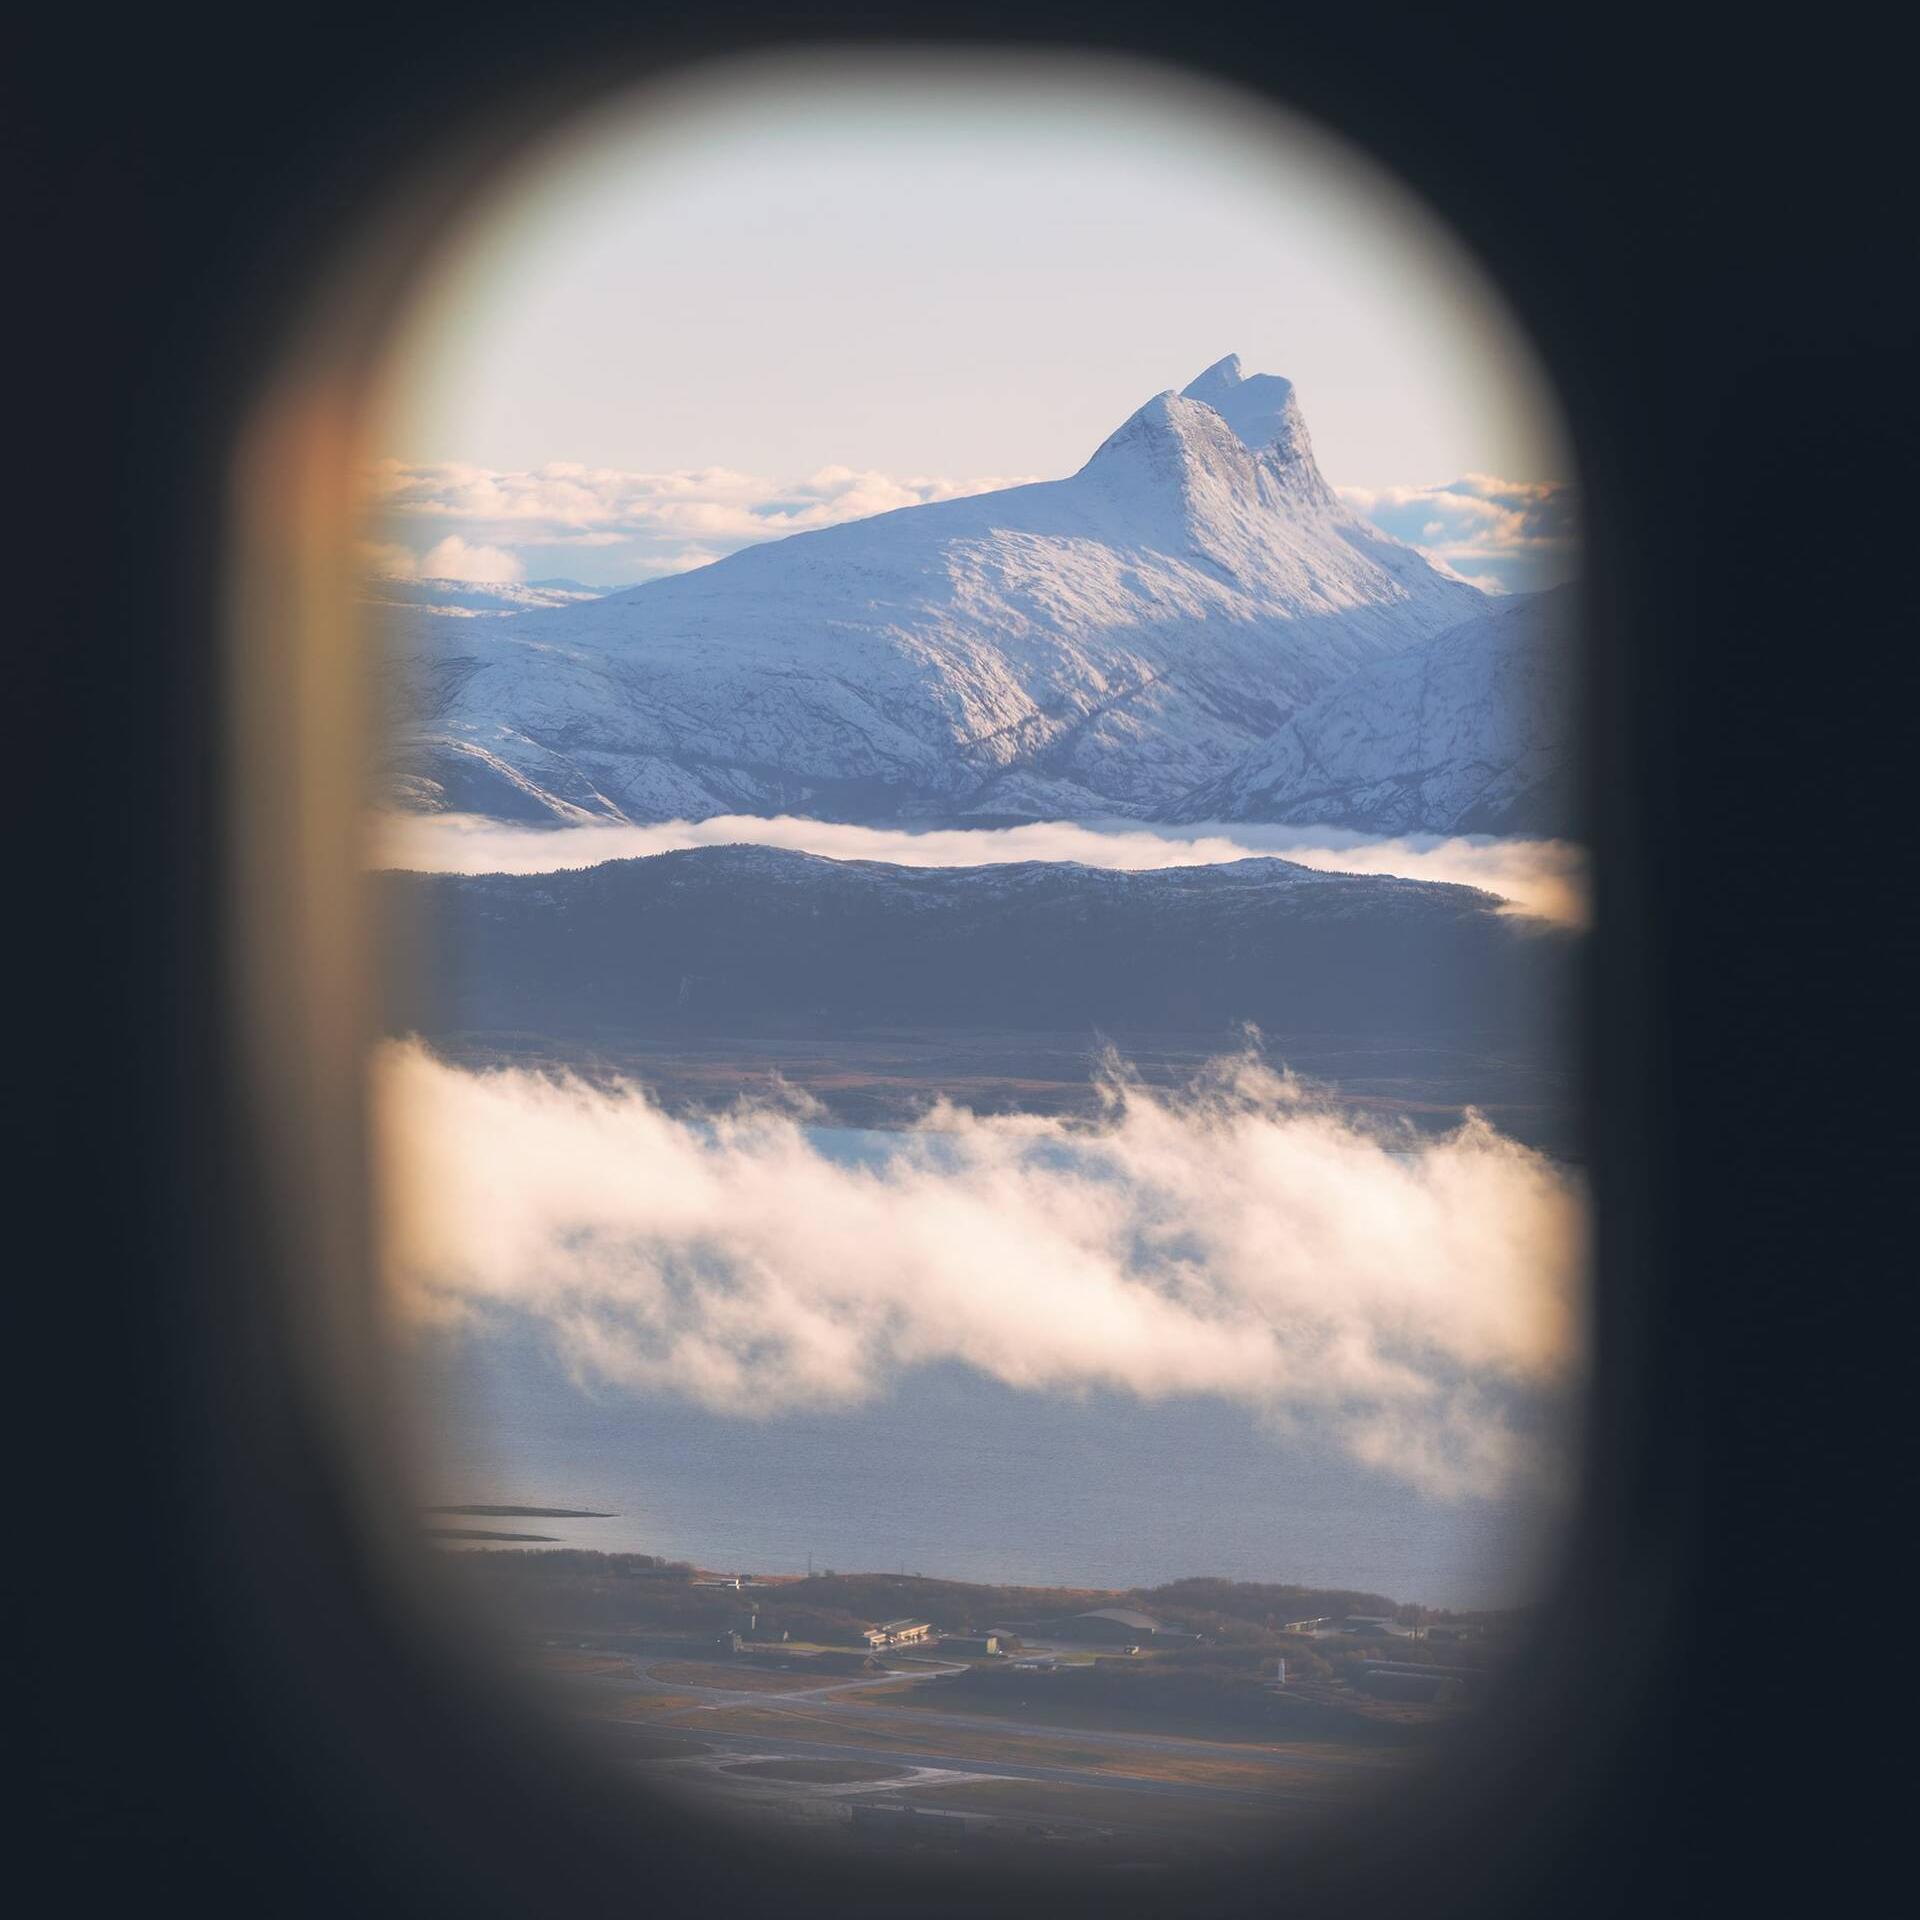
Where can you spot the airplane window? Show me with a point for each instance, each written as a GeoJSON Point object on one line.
{"type": "Point", "coordinates": [981, 1188]}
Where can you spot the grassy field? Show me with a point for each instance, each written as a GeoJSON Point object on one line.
{"type": "Point", "coordinates": [576, 1664]}
{"type": "Point", "coordinates": [1246, 1770]}
{"type": "Point", "coordinates": [644, 1706]}
{"type": "Point", "coordinates": [740, 1679]}
{"type": "Point", "coordinates": [1043, 1800]}
{"type": "Point", "coordinates": [820, 1773]}
{"type": "Point", "coordinates": [1148, 1709]}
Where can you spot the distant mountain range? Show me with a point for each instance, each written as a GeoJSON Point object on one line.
{"type": "Point", "coordinates": [1192, 626]}
{"type": "Point", "coordinates": [751, 939]}
{"type": "Point", "coordinates": [481, 598]}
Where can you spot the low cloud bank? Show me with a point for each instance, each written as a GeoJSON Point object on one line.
{"type": "Point", "coordinates": [1506, 536]}
{"type": "Point", "coordinates": [1541, 879]}
{"type": "Point", "coordinates": [625, 526]}
{"type": "Point", "coordinates": [1418, 1302]}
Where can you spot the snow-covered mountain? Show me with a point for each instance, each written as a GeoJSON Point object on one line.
{"type": "Point", "coordinates": [478, 598]}
{"type": "Point", "coordinates": [1470, 732]}
{"type": "Point", "coordinates": [1104, 644]}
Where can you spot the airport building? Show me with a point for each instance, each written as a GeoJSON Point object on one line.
{"type": "Point", "coordinates": [1119, 1627]}
{"type": "Point", "coordinates": [899, 1633]}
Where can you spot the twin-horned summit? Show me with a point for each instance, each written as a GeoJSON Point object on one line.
{"type": "Point", "coordinates": [1224, 421]}
{"type": "Point", "coordinates": [1192, 625]}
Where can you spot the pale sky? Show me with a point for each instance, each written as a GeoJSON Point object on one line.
{"type": "Point", "coordinates": [853, 288]}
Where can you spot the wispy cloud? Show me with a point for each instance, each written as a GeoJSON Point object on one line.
{"type": "Point", "coordinates": [1508, 536]}
{"type": "Point", "coordinates": [1420, 1302]}
{"type": "Point", "coordinates": [1542, 879]}
{"type": "Point", "coordinates": [633, 525]}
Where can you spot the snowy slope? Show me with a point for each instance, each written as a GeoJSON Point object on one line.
{"type": "Point", "coordinates": [1468, 733]}
{"type": "Point", "coordinates": [1100, 644]}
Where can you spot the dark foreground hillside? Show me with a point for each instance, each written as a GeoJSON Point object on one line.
{"type": "Point", "coordinates": [750, 940]}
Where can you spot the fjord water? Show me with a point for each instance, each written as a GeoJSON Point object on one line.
{"type": "Point", "coordinates": [952, 1474]}
{"type": "Point", "coordinates": [957, 1476]}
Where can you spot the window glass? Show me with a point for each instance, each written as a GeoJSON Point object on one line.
{"type": "Point", "coordinates": [981, 1182]}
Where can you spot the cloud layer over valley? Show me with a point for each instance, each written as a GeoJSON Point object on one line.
{"type": "Point", "coordinates": [1417, 1301]}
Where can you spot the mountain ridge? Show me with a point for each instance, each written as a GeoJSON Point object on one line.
{"type": "Point", "coordinates": [749, 939]}
{"type": "Point", "coordinates": [1473, 730]}
{"type": "Point", "coordinates": [1106, 644]}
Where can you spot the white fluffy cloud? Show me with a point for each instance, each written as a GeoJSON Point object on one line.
{"type": "Point", "coordinates": [455, 559]}
{"type": "Point", "coordinates": [1420, 1303]}
{"type": "Point", "coordinates": [449, 558]}
{"type": "Point", "coordinates": [1541, 879]}
{"type": "Point", "coordinates": [643, 524]}
{"type": "Point", "coordinates": [1508, 536]}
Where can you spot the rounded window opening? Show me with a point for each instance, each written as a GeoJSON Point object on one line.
{"type": "Point", "coordinates": [981, 1178]}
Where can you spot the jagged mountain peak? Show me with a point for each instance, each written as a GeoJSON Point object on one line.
{"type": "Point", "coordinates": [1263, 409]}
{"type": "Point", "coordinates": [1105, 643]}
{"type": "Point", "coordinates": [1222, 377]}
{"type": "Point", "coordinates": [1170, 438]}
{"type": "Point", "coordinates": [1238, 436]}
{"type": "Point", "coordinates": [1240, 433]}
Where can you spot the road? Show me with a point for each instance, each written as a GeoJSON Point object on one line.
{"type": "Point", "coordinates": [833, 1697]}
